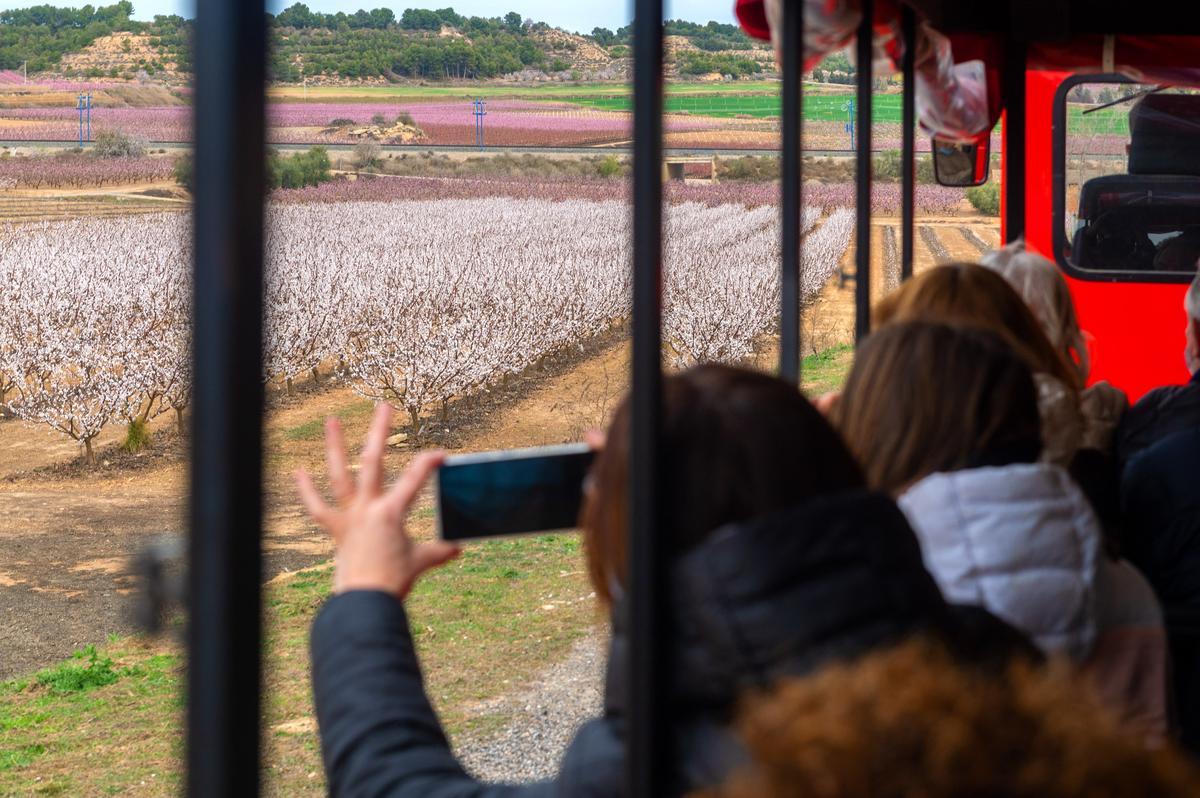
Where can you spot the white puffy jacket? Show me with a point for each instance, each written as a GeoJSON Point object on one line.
{"type": "Point", "coordinates": [1019, 540]}
{"type": "Point", "coordinates": [1023, 542]}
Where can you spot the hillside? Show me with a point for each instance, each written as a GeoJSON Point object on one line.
{"type": "Point", "coordinates": [376, 46]}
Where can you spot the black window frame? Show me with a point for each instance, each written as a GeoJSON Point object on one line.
{"type": "Point", "coordinates": [1058, 190]}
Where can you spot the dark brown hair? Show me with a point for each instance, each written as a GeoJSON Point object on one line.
{"type": "Point", "coordinates": [911, 721]}
{"type": "Point", "coordinates": [969, 294]}
{"type": "Point", "coordinates": [735, 444]}
{"type": "Point", "coordinates": [925, 397]}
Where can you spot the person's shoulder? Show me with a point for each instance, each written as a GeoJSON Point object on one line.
{"type": "Point", "coordinates": [1169, 464]}
{"type": "Point", "coordinates": [594, 762]}
{"type": "Point", "coordinates": [1125, 597]}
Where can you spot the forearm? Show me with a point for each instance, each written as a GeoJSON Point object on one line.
{"type": "Point", "coordinates": [379, 733]}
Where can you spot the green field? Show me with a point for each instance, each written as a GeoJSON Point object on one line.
{"type": "Point", "coordinates": [1109, 121]}
{"type": "Point", "coordinates": [817, 107]}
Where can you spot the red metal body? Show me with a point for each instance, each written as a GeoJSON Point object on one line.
{"type": "Point", "coordinates": [1136, 330]}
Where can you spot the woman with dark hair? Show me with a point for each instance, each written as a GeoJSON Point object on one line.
{"type": "Point", "coordinates": [780, 562]}
{"type": "Point", "coordinates": [946, 419]}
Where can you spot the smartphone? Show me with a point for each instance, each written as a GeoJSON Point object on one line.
{"type": "Point", "coordinates": [513, 492]}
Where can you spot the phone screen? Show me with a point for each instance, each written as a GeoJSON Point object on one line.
{"type": "Point", "coordinates": [512, 492]}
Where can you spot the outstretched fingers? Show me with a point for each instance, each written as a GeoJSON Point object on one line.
{"type": "Point", "coordinates": [431, 555]}
{"type": "Point", "coordinates": [311, 498]}
{"type": "Point", "coordinates": [340, 480]}
{"type": "Point", "coordinates": [370, 476]}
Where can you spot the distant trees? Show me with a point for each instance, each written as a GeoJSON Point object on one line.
{"type": "Point", "coordinates": [702, 63]}
{"type": "Point", "coordinates": [712, 36]}
{"type": "Point", "coordinates": [297, 171]}
{"type": "Point", "coordinates": [41, 35]}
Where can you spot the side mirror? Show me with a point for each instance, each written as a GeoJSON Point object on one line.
{"type": "Point", "coordinates": [961, 164]}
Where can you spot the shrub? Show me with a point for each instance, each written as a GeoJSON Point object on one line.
{"type": "Point", "coordinates": [379, 119]}
{"type": "Point", "coordinates": [116, 144]}
{"type": "Point", "coordinates": [183, 171]}
{"type": "Point", "coordinates": [137, 436]}
{"type": "Point", "coordinates": [609, 166]}
{"type": "Point", "coordinates": [297, 171]}
{"type": "Point", "coordinates": [405, 118]}
{"type": "Point", "coordinates": [367, 154]}
{"type": "Point", "coordinates": [560, 65]}
{"type": "Point", "coordinates": [341, 122]}
{"type": "Point", "coordinates": [749, 167]}
{"type": "Point", "coordinates": [985, 198]}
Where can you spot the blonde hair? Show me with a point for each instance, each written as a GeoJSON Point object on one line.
{"type": "Point", "coordinates": [911, 722]}
{"type": "Point", "coordinates": [967, 294]}
{"type": "Point", "coordinates": [1039, 282]}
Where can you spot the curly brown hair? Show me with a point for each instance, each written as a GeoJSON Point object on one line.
{"type": "Point", "coordinates": [910, 722]}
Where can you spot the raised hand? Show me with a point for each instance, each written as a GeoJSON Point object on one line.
{"type": "Point", "coordinates": [367, 523]}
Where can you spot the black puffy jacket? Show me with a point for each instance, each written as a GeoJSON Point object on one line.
{"type": "Point", "coordinates": [1161, 500]}
{"type": "Point", "coordinates": [781, 596]}
{"type": "Point", "coordinates": [1162, 412]}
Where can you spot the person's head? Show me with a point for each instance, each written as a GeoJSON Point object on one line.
{"type": "Point", "coordinates": [969, 294]}
{"type": "Point", "coordinates": [1191, 303]}
{"type": "Point", "coordinates": [1039, 282]}
{"type": "Point", "coordinates": [912, 721]}
{"type": "Point", "coordinates": [735, 444]}
{"type": "Point", "coordinates": [924, 397]}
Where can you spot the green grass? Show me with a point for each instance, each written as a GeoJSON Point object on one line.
{"type": "Point", "coordinates": [86, 670]}
{"type": "Point", "coordinates": [826, 370]}
{"type": "Point", "coordinates": [483, 625]}
{"type": "Point", "coordinates": [314, 429]}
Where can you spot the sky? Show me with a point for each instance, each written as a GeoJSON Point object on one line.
{"type": "Point", "coordinates": [582, 15]}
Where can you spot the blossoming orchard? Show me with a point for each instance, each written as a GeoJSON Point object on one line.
{"type": "Point", "coordinates": [413, 302]}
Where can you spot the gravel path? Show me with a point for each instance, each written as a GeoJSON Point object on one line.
{"type": "Point", "coordinates": [543, 719]}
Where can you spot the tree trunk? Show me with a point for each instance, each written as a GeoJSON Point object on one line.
{"type": "Point", "coordinates": [445, 410]}
{"type": "Point", "coordinates": [414, 418]}
{"type": "Point", "coordinates": [287, 383]}
{"type": "Point", "coordinates": [89, 455]}
{"type": "Point", "coordinates": [316, 376]}
{"type": "Point", "coordinates": [179, 420]}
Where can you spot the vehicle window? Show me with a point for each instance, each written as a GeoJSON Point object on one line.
{"type": "Point", "coordinates": [1131, 179]}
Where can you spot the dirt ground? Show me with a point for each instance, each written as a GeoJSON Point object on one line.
{"type": "Point", "coordinates": [67, 537]}
{"type": "Point", "coordinates": [829, 320]}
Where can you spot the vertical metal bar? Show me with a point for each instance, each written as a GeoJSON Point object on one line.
{"type": "Point", "coordinates": [649, 726]}
{"type": "Point", "coordinates": [791, 199]}
{"type": "Point", "coordinates": [864, 49]}
{"type": "Point", "coordinates": [225, 564]}
{"type": "Point", "coordinates": [908, 144]}
{"type": "Point", "coordinates": [1014, 138]}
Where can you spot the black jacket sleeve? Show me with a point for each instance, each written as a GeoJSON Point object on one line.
{"type": "Point", "coordinates": [379, 734]}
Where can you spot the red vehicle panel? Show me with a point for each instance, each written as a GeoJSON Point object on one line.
{"type": "Point", "coordinates": [1136, 329]}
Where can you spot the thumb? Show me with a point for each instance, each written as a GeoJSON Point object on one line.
{"type": "Point", "coordinates": [431, 555]}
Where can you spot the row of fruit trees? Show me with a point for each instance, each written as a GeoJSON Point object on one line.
{"type": "Point", "coordinates": [414, 303]}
